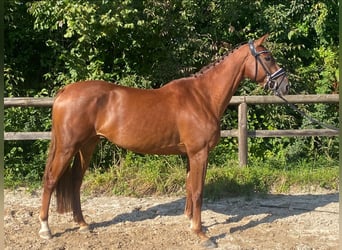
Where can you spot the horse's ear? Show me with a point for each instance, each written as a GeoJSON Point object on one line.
{"type": "Point", "coordinates": [261, 40]}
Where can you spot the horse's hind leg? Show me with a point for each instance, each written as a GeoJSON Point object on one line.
{"type": "Point", "coordinates": [188, 203]}
{"type": "Point", "coordinates": [58, 161]}
{"type": "Point", "coordinates": [66, 181]}
{"type": "Point", "coordinates": [81, 164]}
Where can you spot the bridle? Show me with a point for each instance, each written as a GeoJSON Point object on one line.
{"type": "Point", "coordinates": [273, 85]}
{"type": "Point", "coordinates": [271, 82]}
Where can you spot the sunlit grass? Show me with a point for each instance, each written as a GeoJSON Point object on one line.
{"type": "Point", "coordinates": [166, 176]}
{"type": "Point", "coordinates": [138, 175]}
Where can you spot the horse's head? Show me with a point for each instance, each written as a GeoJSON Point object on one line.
{"type": "Point", "coordinates": [262, 68]}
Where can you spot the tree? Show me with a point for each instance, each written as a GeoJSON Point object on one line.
{"type": "Point", "coordinates": [49, 44]}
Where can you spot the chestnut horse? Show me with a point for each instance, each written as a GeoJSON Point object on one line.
{"type": "Point", "coordinates": [182, 117]}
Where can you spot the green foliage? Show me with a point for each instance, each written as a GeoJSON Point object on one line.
{"type": "Point", "coordinates": [145, 44]}
{"type": "Point", "coordinates": [140, 176]}
{"type": "Point", "coordinates": [24, 163]}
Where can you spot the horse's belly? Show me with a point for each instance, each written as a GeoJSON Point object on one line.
{"type": "Point", "coordinates": [154, 148]}
{"type": "Point", "coordinates": [172, 150]}
{"type": "Point", "coordinates": [148, 143]}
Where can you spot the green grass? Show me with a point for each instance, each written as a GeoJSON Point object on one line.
{"type": "Point", "coordinates": [156, 175]}
{"type": "Point", "coordinates": [139, 176]}
{"type": "Point", "coordinates": [136, 175]}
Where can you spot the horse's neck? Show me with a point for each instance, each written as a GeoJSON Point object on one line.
{"type": "Point", "coordinates": [222, 80]}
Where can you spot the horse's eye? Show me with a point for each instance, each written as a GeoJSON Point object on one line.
{"type": "Point", "coordinates": [268, 58]}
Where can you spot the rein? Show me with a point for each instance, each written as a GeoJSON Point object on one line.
{"type": "Point", "coordinates": [304, 114]}
{"type": "Point", "coordinates": [270, 83]}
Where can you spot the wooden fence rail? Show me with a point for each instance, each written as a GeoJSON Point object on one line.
{"type": "Point", "coordinates": [242, 132]}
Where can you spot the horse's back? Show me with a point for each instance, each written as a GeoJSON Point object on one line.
{"type": "Point", "coordinates": [84, 89]}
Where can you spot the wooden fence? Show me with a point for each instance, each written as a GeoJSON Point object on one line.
{"type": "Point", "coordinates": [242, 132]}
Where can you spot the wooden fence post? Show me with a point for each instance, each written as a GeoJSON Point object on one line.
{"type": "Point", "coordinates": [243, 134]}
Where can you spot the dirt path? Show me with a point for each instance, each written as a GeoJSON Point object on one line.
{"type": "Point", "coordinates": [301, 221]}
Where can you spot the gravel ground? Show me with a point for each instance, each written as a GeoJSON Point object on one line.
{"type": "Point", "coordinates": [296, 221]}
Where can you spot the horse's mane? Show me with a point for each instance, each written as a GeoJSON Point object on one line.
{"type": "Point", "coordinates": [218, 60]}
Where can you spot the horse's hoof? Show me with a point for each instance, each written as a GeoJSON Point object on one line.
{"type": "Point", "coordinates": [84, 229]}
{"type": "Point", "coordinates": [46, 235]}
{"type": "Point", "coordinates": [208, 244]}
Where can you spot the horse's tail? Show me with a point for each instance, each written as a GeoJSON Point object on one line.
{"type": "Point", "coordinates": [65, 188]}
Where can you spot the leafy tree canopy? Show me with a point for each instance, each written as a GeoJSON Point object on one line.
{"type": "Point", "coordinates": [147, 43]}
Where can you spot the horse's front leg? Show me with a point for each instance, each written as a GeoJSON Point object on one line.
{"type": "Point", "coordinates": [196, 177]}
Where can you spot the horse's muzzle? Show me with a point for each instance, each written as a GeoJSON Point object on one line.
{"type": "Point", "coordinates": [278, 82]}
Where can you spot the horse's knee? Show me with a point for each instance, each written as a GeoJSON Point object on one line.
{"type": "Point", "coordinates": [197, 199]}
